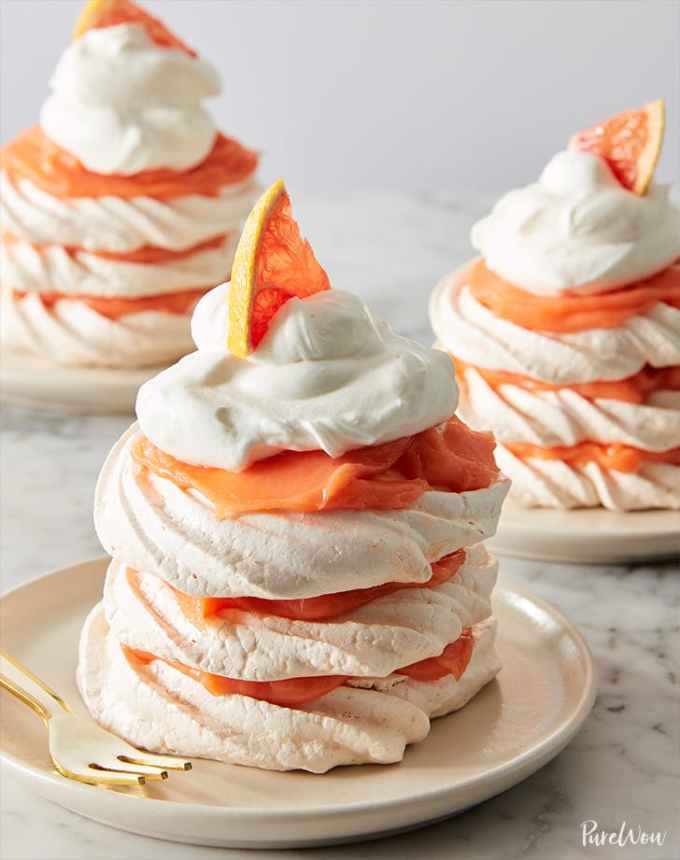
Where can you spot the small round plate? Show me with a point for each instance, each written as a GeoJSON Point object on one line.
{"type": "Point", "coordinates": [586, 536]}
{"type": "Point", "coordinates": [512, 728]}
{"type": "Point", "coordinates": [38, 384]}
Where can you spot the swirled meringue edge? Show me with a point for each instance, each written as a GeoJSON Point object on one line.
{"type": "Point", "coordinates": [564, 417]}
{"type": "Point", "coordinates": [161, 709]}
{"type": "Point", "coordinates": [119, 225]}
{"type": "Point", "coordinates": [151, 525]}
{"type": "Point", "coordinates": [376, 639]}
{"type": "Point", "coordinates": [539, 483]}
{"type": "Point", "coordinates": [470, 332]}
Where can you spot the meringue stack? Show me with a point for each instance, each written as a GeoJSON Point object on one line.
{"type": "Point", "coordinates": [156, 669]}
{"type": "Point", "coordinates": [586, 414]}
{"type": "Point", "coordinates": [123, 207]}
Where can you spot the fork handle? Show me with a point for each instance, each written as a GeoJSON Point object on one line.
{"type": "Point", "coordinates": [25, 697]}
{"type": "Point", "coordinates": [22, 683]}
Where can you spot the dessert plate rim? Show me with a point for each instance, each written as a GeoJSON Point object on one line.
{"type": "Point", "coordinates": [586, 535]}
{"type": "Point", "coordinates": [316, 825]}
{"type": "Point", "coordinates": [36, 383]}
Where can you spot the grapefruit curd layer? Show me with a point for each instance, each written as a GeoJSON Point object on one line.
{"type": "Point", "coordinates": [298, 575]}
{"type": "Point", "coordinates": [565, 333]}
{"type": "Point", "coordinates": [123, 205]}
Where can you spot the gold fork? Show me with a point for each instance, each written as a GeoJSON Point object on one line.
{"type": "Point", "coordinates": [79, 748]}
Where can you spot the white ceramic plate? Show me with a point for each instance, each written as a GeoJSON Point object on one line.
{"type": "Point", "coordinates": [587, 536]}
{"type": "Point", "coordinates": [32, 382]}
{"type": "Point", "coordinates": [513, 727]}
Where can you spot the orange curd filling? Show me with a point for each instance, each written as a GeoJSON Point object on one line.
{"type": "Point", "coordinates": [390, 476]}
{"type": "Point", "coordinates": [621, 458]}
{"type": "Point", "coordinates": [146, 254]}
{"type": "Point", "coordinates": [294, 692]}
{"type": "Point", "coordinates": [453, 660]}
{"type": "Point", "coordinates": [180, 303]}
{"type": "Point", "coordinates": [570, 312]}
{"type": "Point", "coordinates": [288, 693]}
{"type": "Point", "coordinates": [33, 156]}
{"type": "Point", "coordinates": [326, 607]}
{"type": "Point", "coordinates": [632, 389]}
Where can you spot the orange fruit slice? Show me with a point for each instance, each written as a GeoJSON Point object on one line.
{"type": "Point", "coordinates": [630, 143]}
{"type": "Point", "coordinates": [108, 13]}
{"type": "Point", "coordinates": [272, 264]}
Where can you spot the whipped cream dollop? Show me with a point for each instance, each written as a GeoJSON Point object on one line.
{"type": "Point", "coordinates": [326, 376]}
{"type": "Point", "coordinates": [123, 104]}
{"type": "Point", "coordinates": [577, 229]}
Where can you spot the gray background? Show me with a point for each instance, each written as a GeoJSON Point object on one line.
{"type": "Point", "coordinates": [404, 95]}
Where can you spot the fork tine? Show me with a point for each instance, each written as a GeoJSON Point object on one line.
{"type": "Point", "coordinates": [92, 777]}
{"type": "Point", "coordinates": [135, 772]}
{"type": "Point", "coordinates": [165, 761]}
{"type": "Point", "coordinates": [126, 766]}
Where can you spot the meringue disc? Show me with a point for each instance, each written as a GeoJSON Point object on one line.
{"type": "Point", "coordinates": [513, 727]}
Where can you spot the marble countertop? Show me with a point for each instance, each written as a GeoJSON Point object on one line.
{"type": "Point", "coordinates": [624, 766]}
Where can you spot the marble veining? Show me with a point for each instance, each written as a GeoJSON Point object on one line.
{"type": "Point", "coordinates": [624, 764]}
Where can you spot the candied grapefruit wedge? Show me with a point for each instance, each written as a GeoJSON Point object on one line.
{"type": "Point", "coordinates": [630, 143]}
{"type": "Point", "coordinates": [98, 14]}
{"type": "Point", "coordinates": [272, 264]}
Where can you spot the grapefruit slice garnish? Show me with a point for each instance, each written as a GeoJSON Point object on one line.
{"type": "Point", "coordinates": [272, 264]}
{"type": "Point", "coordinates": [98, 14]}
{"type": "Point", "coordinates": [630, 143]}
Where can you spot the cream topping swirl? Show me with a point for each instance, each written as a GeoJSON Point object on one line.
{"type": "Point", "coordinates": [327, 376]}
{"type": "Point", "coordinates": [122, 104]}
{"type": "Point", "coordinates": [577, 229]}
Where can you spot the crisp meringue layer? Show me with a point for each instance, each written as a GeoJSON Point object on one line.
{"type": "Point", "coordinates": [438, 698]}
{"type": "Point", "coordinates": [555, 484]}
{"type": "Point", "coordinates": [404, 627]}
{"type": "Point", "coordinates": [470, 332]}
{"type": "Point", "coordinates": [327, 376]}
{"type": "Point", "coordinates": [71, 333]}
{"type": "Point", "coordinates": [53, 269]}
{"type": "Point", "coordinates": [151, 525]}
{"type": "Point", "coordinates": [565, 417]}
{"type": "Point", "coordinates": [578, 229]}
{"type": "Point", "coordinates": [156, 707]}
{"type": "Point", "coordinates": [123, 104]}
{"type": "Point", "coordinates": [121, 225]}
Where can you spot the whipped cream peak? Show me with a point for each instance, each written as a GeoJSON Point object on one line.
{"type": "Point", "coordinates": [579, 230]}
{"type": "Point", "coordinates": [123, 104]}
{"type": "Point", "coordinates": [327, 376]}
{"type": "Point", "coordinates": [335, 325]}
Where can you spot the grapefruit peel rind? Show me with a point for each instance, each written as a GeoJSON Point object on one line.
{"type": "Point", "coordinates": [272, 264]}
{"type": "Point", "coordinates": [97, 14]}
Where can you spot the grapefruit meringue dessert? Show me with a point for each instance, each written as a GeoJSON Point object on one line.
{"type": "Point", "coordinates": [296, 525]}
{"type": "Point", "coordinates": [123, 206]}
{"type": "Point", "coordinates": [566, 332]}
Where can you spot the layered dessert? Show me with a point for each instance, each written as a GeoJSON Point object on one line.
{"type": "Point", "coordinates": [566, 332]}
{"type": "Point", "coordinates": [123, 206]}
{"type": "Point", "coordinates": [296, 525]}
